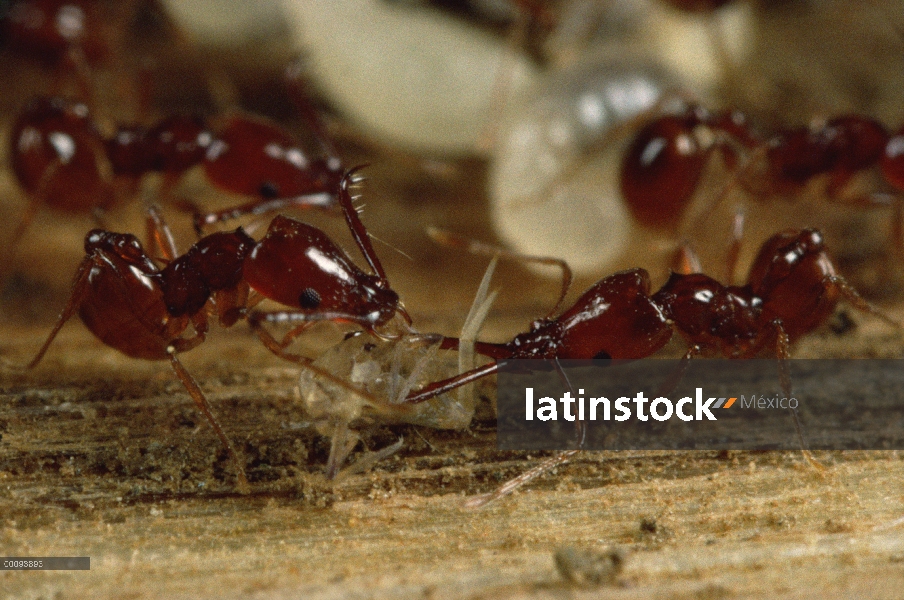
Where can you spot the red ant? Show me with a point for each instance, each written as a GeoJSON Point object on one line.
{"type": "Point", "coordinates": [72, 37]}
{"type": "Point", "coordinates": [62, 161]}
{"type": "Point", "coordinates": [143, 311]}
{"type": "Point", "coordinates": [792, 288]}
{"type": "Point", "coordinates": [59, 33]}
{"type": "Point", "coordinates": [663, 165]}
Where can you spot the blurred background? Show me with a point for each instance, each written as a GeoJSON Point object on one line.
{"type": "Point", "coordinates": [499, 120]}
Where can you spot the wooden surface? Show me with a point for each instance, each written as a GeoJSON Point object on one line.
{"type": "Point", "coordinates": [107, 457]}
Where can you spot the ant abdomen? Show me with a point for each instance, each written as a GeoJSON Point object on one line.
{"type": "Point", "coordinates": [254, 157]}
{"type": "Point", "coordinates": [58, 156]}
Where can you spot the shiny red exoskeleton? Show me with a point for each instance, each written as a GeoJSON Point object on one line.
{"type": "Point", "coordinates": [143, 311]}
{"type": "Point", "coordinates": [57, 155]}
{"type": "Point", "coordinates": [792, 288]}
{"type": "Point", "coordinates": [72, 38]}
{"type": "Point", "coordinates": [62, 161]}
{"type": "Point", "coordinates": [51, 29]}
{"type": "Point", "coordinates": [662, 168]}
{"type": "Point", "coordinates": [248, 156]}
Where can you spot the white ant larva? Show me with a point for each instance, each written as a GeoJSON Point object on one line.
{"type": "Point", "coordinates": [553, 182]}
{"type": "Point", "coordinates": [389, 370]}
{"type": "Point", "coordinates": [411, 76]}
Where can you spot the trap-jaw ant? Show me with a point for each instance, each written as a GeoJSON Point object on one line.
{"type": "Point", "coordinates": [62, 161]}
{"type": "Point", "coordinates": [145, 312]}
{"type": "Point", "coordinates": [662, 169]}
{"type": "Point", "coordinates": [792, 288]}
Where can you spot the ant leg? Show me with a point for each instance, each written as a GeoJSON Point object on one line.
{"type": "Point", "coordinates": [79, 287]}
{"type": "Point", "coordinates": [734, 248]}
{"type": "Point", "coordinates": [580, 425]}
{"type": "Point", "coordinates": [740, 176]}
{"type": "Point", "coordinates": [447, 238]}
{"type": "Point", "coordinates": [278, 348]}
{"type": "Point", "coordinates": [256, 319]}
{"type": "Point", "coordinates": [257, 208]}
{"type": "Point", "coordinates": [441, 387]}
{"type": "Point", "coordinates": [513, 484]}
{"type": "Point", "coordinates": [669, 385]}
{"type": "Point", "coordinates": [194, 390]}
{"type": "Point", "coordinates": [847, 291]}
{"type": "Point", "coordinates": [159, 235]}
{"type": "Point", "coordinates": [783, 354]}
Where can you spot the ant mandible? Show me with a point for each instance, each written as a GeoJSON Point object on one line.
{"type": "Point", "coordinates": [792, 288]}
{"type": "Point", "coordinates": [143, 311]}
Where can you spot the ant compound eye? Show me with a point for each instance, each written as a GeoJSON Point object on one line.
{"type": "Point", "coordinates": [309, 299]}
{"type": "Point", "coordinates": [269, 190]}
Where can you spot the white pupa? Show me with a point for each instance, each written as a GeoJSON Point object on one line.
{"type": "Point", "coordinates": [553, 181]}
{"type": "Point", "coordinates": [387, 371]}
{"type": "Point", "coordinates": [410, 76]}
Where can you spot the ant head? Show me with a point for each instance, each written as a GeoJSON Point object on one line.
{"type": "Point", "coordinates": [790, 253]}
{"type": "Point", "coordinates": [793, 274]}
{"type": "Point", "coordinates": [616, 318]}
{"type": "Point", "coordinates": [298, 265]}
{"type": "Point", "coordinates": [124, 245]}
